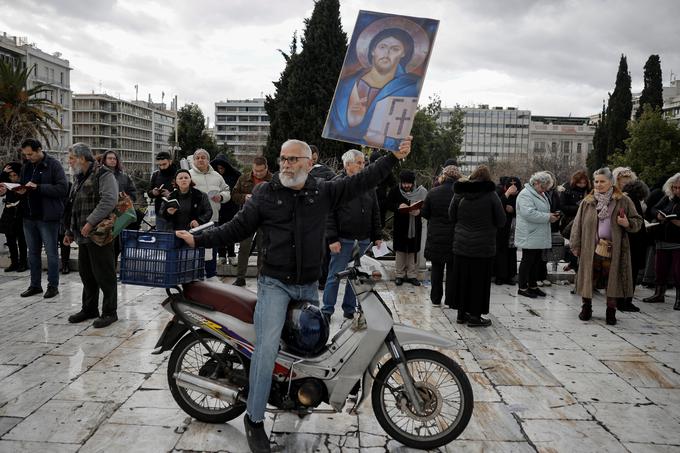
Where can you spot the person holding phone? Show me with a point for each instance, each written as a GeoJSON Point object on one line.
{"type": "Point", "coordinates": [532, 232]}
{"type": "Point", "coordinates": [599, 238]}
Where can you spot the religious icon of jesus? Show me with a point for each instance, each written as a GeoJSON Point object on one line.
{"type": "Point", "coordinates": [377, 95]}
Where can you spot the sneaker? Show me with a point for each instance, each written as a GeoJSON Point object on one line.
{"type": "Point", "coordinates": [539, 283]}
{"type": "Point", "coordinates": [478, 321]}
{"type": "Point", "coordinates": [51, 292]}
{"type": "Point", "coordinates": [537, 291]}
{"type": "Point", "coordinates": [348, 315]}
{"type": "Point", "coordinates": [104, 320]}
{"type": "Point", "coordinates": [526, 293]}
{"type": "Point", "coordinates": [239, 282]}
{"type": "Point", "coordinates": [256, 435]}
{"type": "Point", "coordinates": [546, 283]}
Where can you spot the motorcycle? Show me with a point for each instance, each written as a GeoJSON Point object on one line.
{"type": "Point", "coordinates": [420, 397]}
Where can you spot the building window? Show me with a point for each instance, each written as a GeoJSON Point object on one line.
{"type": "Point", "coordinates": [578, 148]}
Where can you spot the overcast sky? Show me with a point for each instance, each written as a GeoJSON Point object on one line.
{"type": "Point", "coordinates": [550, 57]}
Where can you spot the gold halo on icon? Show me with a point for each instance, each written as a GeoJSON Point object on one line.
{"type": "Point", "coordinates": [421, 42]}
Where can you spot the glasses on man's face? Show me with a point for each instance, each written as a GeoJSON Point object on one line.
{"type": "Point", "coordinates": [290, 159]}
{"type": "Point", "coordinates": [675, 187]}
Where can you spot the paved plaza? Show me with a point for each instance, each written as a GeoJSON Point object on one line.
{"type": "Point", "coordinates": [542, 379]}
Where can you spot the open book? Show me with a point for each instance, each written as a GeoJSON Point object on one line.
{"type": "Point", "coordinates": [15, 186]}
{"type": "Point", "coordinates": [668, 216]}
{"type": "Point", "coordinates": [413, 207]}
{"type": "Point", "coordinates": [171, 203]}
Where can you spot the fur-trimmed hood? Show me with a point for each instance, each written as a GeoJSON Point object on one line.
{"type": "Point", "coordinates": [473, 189]}
{"type": "Point", "coordinates": [636, 190]}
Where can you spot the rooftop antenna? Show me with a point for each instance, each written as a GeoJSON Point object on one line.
{"type": "Point", "coordinates": [136, 92]}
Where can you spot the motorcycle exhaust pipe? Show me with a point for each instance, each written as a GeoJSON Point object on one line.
{"type": "Point", "coordinates": [208, 387]}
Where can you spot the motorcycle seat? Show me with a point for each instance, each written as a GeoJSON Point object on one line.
{"type": "Point", "coordinates": [230, 300]}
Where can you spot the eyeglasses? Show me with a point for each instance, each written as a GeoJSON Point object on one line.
{"type": "Point", "coordinates": [290, 159]}
{"type": "Point", "coordinates": [675, 187]}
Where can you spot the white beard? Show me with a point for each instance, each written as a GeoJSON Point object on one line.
{"type": "Point", "coordinates": [297, 179]}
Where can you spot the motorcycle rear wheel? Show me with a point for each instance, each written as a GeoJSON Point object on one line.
{"type": "Point", "coordinates": [190, 356]}
{"type": "Point", "coordinates": [443, 386]}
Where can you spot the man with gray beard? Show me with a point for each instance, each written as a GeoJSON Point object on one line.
{"type": "Point", "coordinates": [290, 211]}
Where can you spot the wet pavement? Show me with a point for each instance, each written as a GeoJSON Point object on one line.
{"type": "Point", "coordinates": [542, 379]}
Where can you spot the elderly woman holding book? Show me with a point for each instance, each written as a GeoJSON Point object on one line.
{"type": "Point", "coordinates": [667, 235]}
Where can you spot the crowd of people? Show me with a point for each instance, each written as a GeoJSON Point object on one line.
{"type": "Point", "coordinates": [612, 230]}
{"type": "Point", "coordinates": [613, 236]}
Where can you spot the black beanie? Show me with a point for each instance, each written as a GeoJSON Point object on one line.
{"type": "Point", "coordinates": [407, 176]}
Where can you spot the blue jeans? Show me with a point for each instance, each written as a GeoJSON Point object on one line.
{"type": "Point", "coordinates": [211, 266]}
{"type": "Point", "coordinates": [339, 262]}
{"type": "Point", "coordinates": [39, 233]}
{"type": "Point", "coordinates": [273, 297]}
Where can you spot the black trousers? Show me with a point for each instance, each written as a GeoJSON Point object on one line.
{"type": "Point", "coordinates": [437, 291]}
{"type": "Point", "coordinates": [530, 268]}
{"type": "Point", "coordinates": [97, 271]}
{"type": "Point", "coordinates": [16, 242]}
{"type": "Point", "coordinates": [505, 263]}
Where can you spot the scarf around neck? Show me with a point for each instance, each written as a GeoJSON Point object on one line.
{"type": "Point", "coordinates": [603, 200]}
{"type": "Point", "coordinates": [417, 194]}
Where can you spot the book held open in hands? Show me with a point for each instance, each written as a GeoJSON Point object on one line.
{"type": "Point", "coordinates": [171, 203]}
{"type": "Point", "coordinates": [14, 186]}
{"type": "Point", "coordinates": [413, 207]}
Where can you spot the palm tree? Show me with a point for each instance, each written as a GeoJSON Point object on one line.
{"type": "Point", "coordinates": [24, 112]}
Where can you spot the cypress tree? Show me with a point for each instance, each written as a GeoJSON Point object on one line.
{"type": "Point", "coordinates": [619, 110]}
{"type": "Point", "coordinates": [598, 157]}
{"type": "Point", "coordinates": [305, 90]}
{"type": "Point", "coordinates": [652, 93]}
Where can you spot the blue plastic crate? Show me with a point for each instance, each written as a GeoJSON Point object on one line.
{"type": "Point", "coordinates": [159, 259]}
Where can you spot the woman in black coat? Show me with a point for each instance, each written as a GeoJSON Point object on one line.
{"type": "Point", "coordinates": [439, 242]}
{"type": "Point", "coordinates": [638, 192]}
{"type": "Point", "coordinates": [194, 208]}
{"type": "Point", "coordinates": [505, 264]}
{"type": "Point", "coordinates": [570, 199]}
{"type": "Point", "coordinates": [476, 213]}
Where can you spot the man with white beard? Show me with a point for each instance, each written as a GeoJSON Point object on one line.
{"type": "Point", "coordinates": [290, 212]}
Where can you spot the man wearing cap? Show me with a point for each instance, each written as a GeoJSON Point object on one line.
{"type": "Point", "coordinates": [161, 185]}
{"type": "Point", "coordinates": [407, 227]}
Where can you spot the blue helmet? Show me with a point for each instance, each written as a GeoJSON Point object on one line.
{"type": "Point", "coordinates": [306, 331]}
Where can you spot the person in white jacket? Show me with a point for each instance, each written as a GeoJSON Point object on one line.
{"type": "Point", "coordinates": [211, 182]}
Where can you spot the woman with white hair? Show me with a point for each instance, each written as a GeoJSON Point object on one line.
{"type": "Point", "coordinates": [599, 237]}
{"type": "Point", "coordinates": [667, 212]}
{"type": "Point", "coordinates": [532, 231]}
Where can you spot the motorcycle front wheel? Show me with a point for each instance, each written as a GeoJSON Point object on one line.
{"type": "Point", "coordinates": [190, 356]}
{"type": "Point", "coordinates": [444, 389]}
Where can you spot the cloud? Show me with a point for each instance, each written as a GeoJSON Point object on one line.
{"type": "Point", "coordinates": [552, 57]}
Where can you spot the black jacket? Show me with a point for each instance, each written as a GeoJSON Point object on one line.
{"type": "Point", "coordinates": [194, 205]}
{"type": "Point", "coordinates": [503, 235]}
{"type": "Point", "coordinates": [47, 202]}
{"type": "Point", "coordinates": [439, 242]}
{"type": "Point", "coordinates": [476, 213]}
{"type": "Point", "coordinates": [359, 218]}
{"type": "Point", "coordinates": [668, 232]}
{"type": "Point", "coordinates": [322, 171]}
{"type": "Point", "coordinates": [164, 177]}
{"type": "Point", "coordinates": [230, 176]}
{"type": "Point", "coordinates": [293, 222]}
{"type": "Point", "coordinates": [571, 199]}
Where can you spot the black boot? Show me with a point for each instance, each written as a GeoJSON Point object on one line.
{"type": "Point", "coordinates": [65, 268]}
{"type": "Point", "coordinates": [677, 299]}
{"type": "Point", "coordinates": [658, 297]}
{"type": "Point", "coordinates": [256, 435]}
{"type": "Point", "coordinates": [626, 304]}
{"type": "Point", "coordinates": [611, 316]}
{"type": "Point", "coordinates": [586, 310]}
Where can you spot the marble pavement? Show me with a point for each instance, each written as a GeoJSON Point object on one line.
{"type": "Point", "coordinates": [543, 380]}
